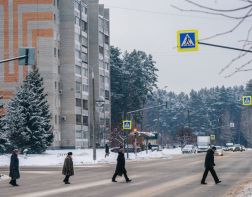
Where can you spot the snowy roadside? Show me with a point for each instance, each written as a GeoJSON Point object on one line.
{"type": "Point", "coordinates": [83, 157]}
{"type": "Point", "coordinates": [245, 191]}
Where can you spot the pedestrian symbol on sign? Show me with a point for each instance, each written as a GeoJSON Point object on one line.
{"type": "Point", "coordinates": [246, 100]}
{"type": "Point", "coordinates": [127, 124]}
{"type": "Point", "coordinates": [187, 40]}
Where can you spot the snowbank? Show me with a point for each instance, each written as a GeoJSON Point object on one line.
{"type": "Point", "coordinates": [246, 191]}
{"type": "Point", "coordinates": [82, 157]}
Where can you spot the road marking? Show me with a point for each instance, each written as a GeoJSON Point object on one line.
{"type": "Point", "coordinates": [68, 188]}
{"type": "Point", "coordinates": [40, 172]}
{"type": "Point", "coordinates": [161, 188]}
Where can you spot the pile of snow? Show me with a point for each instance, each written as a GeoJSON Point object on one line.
{"type": "Point", "coordinates": [246, 191]}
{"type": "Point", "coordinates": [82, 157]}
{"type": "Point", "coordinates": [3, 177]}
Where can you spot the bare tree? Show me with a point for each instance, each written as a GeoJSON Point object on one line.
{"type": "Point", "coordinates": [239, 14]}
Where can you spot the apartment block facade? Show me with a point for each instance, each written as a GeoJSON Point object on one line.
{"type": "Point", "coordinates": [62, 33]}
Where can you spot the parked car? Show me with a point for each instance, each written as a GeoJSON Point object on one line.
{"type": "Point", "coordinates": [229, 146]}
{"type": "Point", "coordinates": [156, 147]}
{"type": "Point", "coordinates": [131, 149]}
{"type": "Point", "coordinates": [237, 147]}
{"type": "Point", "coordinates": [219, 151]}
{"type": "Point", "coordinates": [189, 148]}
{"type": "Point", "coordinates": [243, 148]}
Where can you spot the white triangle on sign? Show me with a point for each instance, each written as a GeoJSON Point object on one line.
{"type": "Point", "coordinates": [187, 41]}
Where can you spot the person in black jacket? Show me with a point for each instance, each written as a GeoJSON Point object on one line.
{"type": "Point", "coordinates": [106, 150]}
{"type": "Point", "coordinates": [14, 168]}
{"type": "Point", "coordinates": [120, 167]}
{"type": "Point", "coordinates": [209, 166]}
{"type": "Point", "coordinates": [68, 169]}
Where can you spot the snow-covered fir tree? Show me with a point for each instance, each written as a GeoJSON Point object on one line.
{"type": "Point", "coordinates": [28, 117]}
{"type": "Point", "coordinates": [3, 138]}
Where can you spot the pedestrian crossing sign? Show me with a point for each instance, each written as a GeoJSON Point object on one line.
{"type": "Point", "coordinates": [212, 137]}
{"type": "Point", "coordinates": [187, 40]}
{"type": "Point", "coordinates": [246, 101]}
{"type": "Point", "coordinates": [127, 124]}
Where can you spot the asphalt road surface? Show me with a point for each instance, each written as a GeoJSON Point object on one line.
{"type": "Point", "coordinates": [177, 177]}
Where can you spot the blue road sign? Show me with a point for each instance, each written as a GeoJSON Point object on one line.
{"type": "Point", "coordinates": [127, 124]}
{"type": "Point", "coordinates": [187, 40]}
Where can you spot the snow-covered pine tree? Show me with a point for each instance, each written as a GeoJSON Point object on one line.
{"type": "Point", "coordinates": [3, 138]}
{"type": "Point", "coordinates": [28, 116]}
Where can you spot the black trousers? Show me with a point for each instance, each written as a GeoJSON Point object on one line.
{"type": "Point", "coordinates": [211, 169]}
{"type": "Point", "coordinates": [124, 173]}
{"type": "Point", "coordinates": [66, 179]}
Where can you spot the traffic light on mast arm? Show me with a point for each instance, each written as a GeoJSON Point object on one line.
{"type": "Point", "coordinates": [1, 102]}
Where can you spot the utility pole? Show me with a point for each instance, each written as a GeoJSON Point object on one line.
{"type": "Point", "coordinates": [94, 119]}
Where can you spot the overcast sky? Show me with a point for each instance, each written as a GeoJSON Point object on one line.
{"type": "Point", "coordinates": [151, 25]}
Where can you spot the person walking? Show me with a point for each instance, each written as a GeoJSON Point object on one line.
{"type": "Point", "coordinates": [209, 166]}
{"type": "Point", "coordinates": [14, 168]}
{"type": "Point", "coordinates": [106, 150]}
{"type": "Point", "coordinates": [68, 169]}
{"type": "Point", "coordinates": [120, 166]}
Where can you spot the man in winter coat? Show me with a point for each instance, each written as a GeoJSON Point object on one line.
{"type": "Point", "coordinates": [106, 150]}
{"type": "Point", "coordinates": [209, 166]}
{"type": "Point", "coordinates": [68, 167]}
{"type": "Point", "coordinates": [120, 167]}
{"type": "Point", "coordinates": [14, 168]}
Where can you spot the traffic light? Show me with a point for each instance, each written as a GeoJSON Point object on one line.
{"type": "Point", "coordinates": [166, 104]}
{"type": "Point", "coordinates": [1, 102]}
{"type": "Point", "coordinates": [29, 58]}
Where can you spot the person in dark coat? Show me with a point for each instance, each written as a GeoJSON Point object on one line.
{"type": "Point", "coordinates": [14, 168]}
{"type": "Point", "coordinates": [106, 150]}
{"type": "Point", "coordinates": [68, 169]}
{"type": "Point", "coordinates": [120, 166]}
{"type": "Point", "coordinates": [209, 166]}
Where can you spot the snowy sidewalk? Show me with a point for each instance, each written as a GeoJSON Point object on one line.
{"type": "Point", "coordinates": [82, 157]}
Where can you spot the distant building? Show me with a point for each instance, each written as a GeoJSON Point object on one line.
{"type": "Point", "coordinates": [67, 46]}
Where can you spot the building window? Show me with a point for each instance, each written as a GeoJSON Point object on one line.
{"type": "Point", "coordinates": [102, 79]}
{"type": "Point", "coordinates": [85, 120]}
{"type": "Point", "coordinates": [84, 41]}
{"type": "Point", "coordinates": [107, 122]}
{"type": "Point", "coordinates": [78, 119]}
{"type": "Point", "coordinates": [84, 26]}
{"type": "Point", "coordinates": [77, 20]}
{"type": "Point", "coordinates": [106, 65]}
{"type": "Point", "coordinates": [85, 72]}
{"type": "Point", "coordinates": [78, 134]}
{"type": "Point", "coordinates": [78, 87]}
{"type": "Point", "coordinates": [76, 5]}
{"type": "Point", "coordinates": [102, 121]}
{"type": "Point", "coordinates": [78, 54]}
{"type": "Point", "coordinates": [78, 102]}
{"type": "Point", "coordinates": [55, 52]}
{"type": "Point", "coordinates": [85, 104]}
{"type": "Point", "coordinates": [107, 94]}
{"type": "Point", "coordinates": [107, 80]}
{"type": "Point", "coordinates": [77, 37]}
{"type": "Point", "coordinates": [84, 88]}
{"type": "Point", "coordinates": [101, 38]}
{"type": "Point", "coordinates": [106, 39]}
{"type": "Point", "coordinates": [77, 69]}
{"type": "Point", "coordinates": [106, 107]}
{"type": "Point", "coordinates": [101, 50]}
{"type": "Point", "coordinates": [84, 57]}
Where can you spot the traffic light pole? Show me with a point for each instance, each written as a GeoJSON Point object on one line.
{"type": "Point", "coordinates": [225, 47]}
{"type": "Point", "coordinates": [14, 58]}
